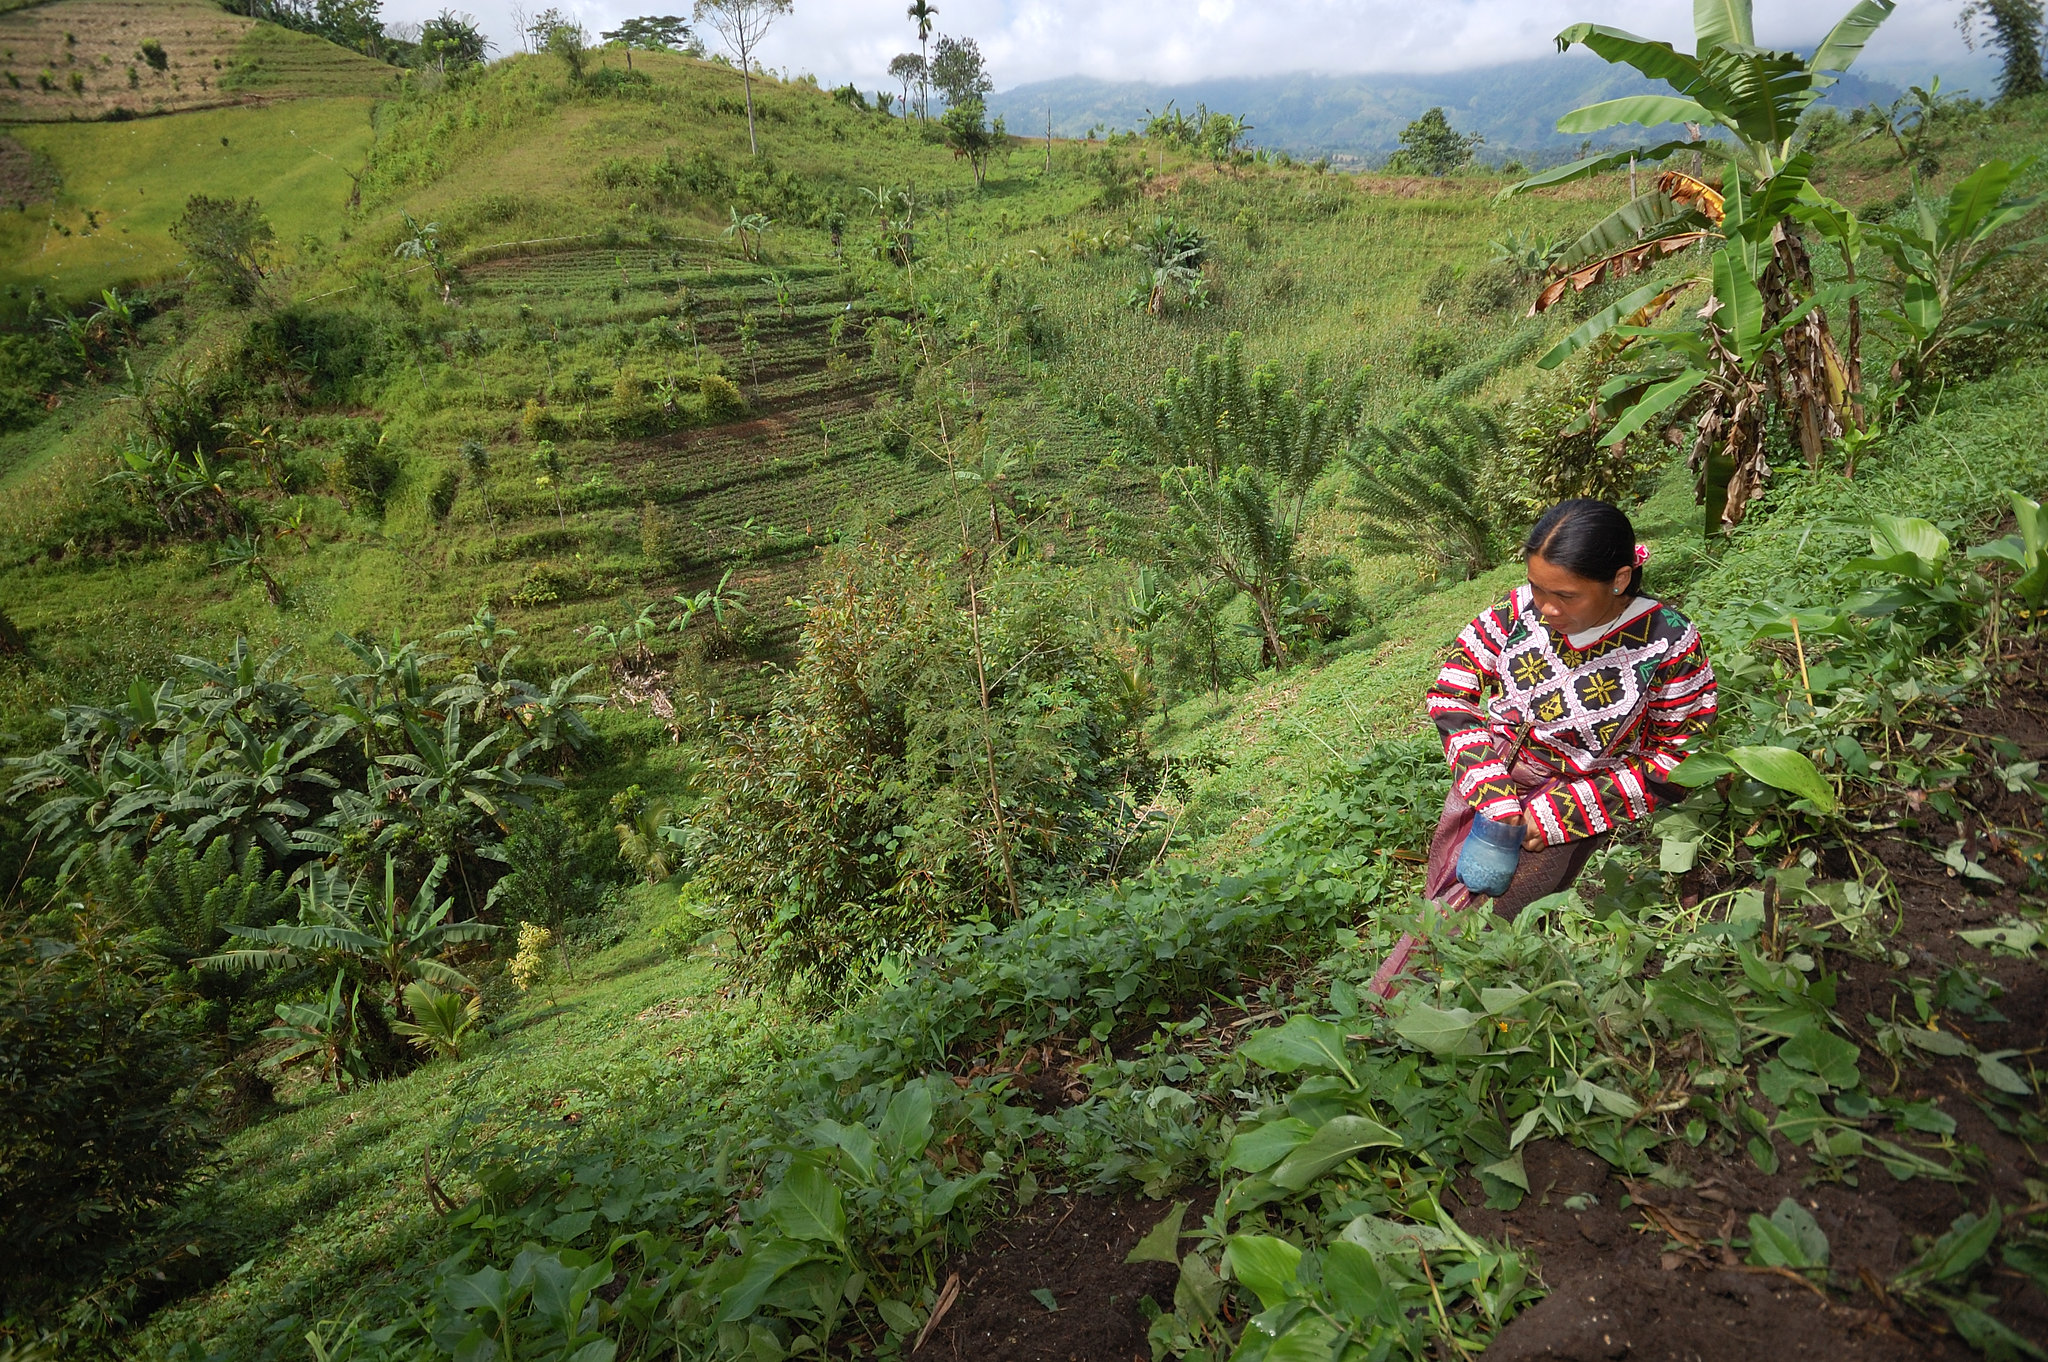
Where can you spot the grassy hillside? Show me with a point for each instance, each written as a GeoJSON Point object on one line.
{"type": "Point", "coordinates": [83, 60]}
{"type": "Point", "coordinates": [543, 367]}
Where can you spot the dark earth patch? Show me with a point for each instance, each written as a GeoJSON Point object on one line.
{"type": "Point", "coordinates": [1072, 1247]}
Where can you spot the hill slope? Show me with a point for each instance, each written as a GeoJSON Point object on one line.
{"type": "Point", "coordinates": [79, 60]}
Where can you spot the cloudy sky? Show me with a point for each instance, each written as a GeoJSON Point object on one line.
{"type": "Point", "coordinates": [1175, 40]}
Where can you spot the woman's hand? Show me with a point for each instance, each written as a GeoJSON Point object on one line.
{"type": "Point", "coordinates": [1532, 835]}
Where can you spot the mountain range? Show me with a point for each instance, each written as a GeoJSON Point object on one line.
{"type": "Point", "coordinates": [1358, 118]}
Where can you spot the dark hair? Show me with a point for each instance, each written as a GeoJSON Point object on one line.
{"type": "Point", "coordinates": [1587, 538]}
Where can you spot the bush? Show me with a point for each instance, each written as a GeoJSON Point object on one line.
{"type": "Point", "coordinates": [364, 469]}
{"type": "Point", "coordinates": [1551, 453]}
{"type": "Point", "coordinates": [722, 399]}
{"type": "Point", "coordinates": [538, 421]}
{"type": "Point", "coordinates": [229, 243]}
{"type": "Point", "coordinates": [1432, 354]}
{"type": "Point", "coordinates": [30, 366]}
{"type": "Point", "coordinates": [441, 496]}
{"type": "Point", "coordinates": [858, 818]}
{"type": "Point", "coordinates": [98, 1133]}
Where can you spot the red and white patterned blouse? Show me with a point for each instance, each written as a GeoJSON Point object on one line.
{"type": "Point", "coordinates": [1612, 719]}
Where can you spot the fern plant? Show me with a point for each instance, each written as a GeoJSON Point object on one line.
{"type": "Point", "coordinates": [444, 1022]}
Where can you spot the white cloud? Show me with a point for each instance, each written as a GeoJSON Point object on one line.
{"type": "Point", "coordinates": [1167, 40]}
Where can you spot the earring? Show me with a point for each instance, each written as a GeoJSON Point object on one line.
{"type": "Point", "coordinates": [1617, 591]}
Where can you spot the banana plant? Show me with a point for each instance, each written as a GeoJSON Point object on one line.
{"type": "Point", "coordinates": [389, 940]}
{"type": "Point", "coordinates": [1756, 99]}
{"type": "Point", "coordinates": [325, 1032]}
{"type": "Point", "coordinates": [1941, 258]}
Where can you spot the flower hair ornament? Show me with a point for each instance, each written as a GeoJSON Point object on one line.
{"type": "Point", "coordinates": [1642, 554]}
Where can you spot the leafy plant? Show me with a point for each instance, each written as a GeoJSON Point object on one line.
{"type": "Point", "coordinates": [443, 1022]}
{"type": "Point", "coordinates": [1420, 486]}
{"type": "Point", "coordinates": [1175, 254]}
{"type": "Point", "coordinates": [1940, 262]}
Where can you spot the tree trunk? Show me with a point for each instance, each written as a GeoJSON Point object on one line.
{"type": "Point", "coordinates": [747, 80]}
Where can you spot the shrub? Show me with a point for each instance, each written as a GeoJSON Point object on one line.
{"type": "Point", "coordinates": [1496, 288]}
{"type": "Point", "coordinates": [545, 856]}
{"type": "Point", "coordinates": [722, 399]}
{"type": "Point", "coordinates": [1442, 286]}
{"type": "Point", "coordinates": [99, 1132]}
{"type": "Point", "coordinates": [153, 52]}
{"type": "Point", "coordinates": [538, 421]}
{"type": "Point", "coordinates": [1552, 453]}
{"type": "Point", "coordinates": [364, 468]}
{"type": "Point", "coordinates": [877, 803]}
{"type": "Point", "coordinates": [1432, 354]}
{"type": "Point", "coordinates": [229, 243]}
{"type": "Point", "coordinates": [441, 496]}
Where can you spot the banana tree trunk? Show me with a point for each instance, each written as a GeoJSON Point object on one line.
{"type": "Point", "coordinates": [1803, 378]}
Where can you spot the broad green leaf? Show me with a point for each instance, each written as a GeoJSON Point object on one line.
{"type": "Point", "coordinates": [1996, 1073]}
{"type": "Point", "coordinates": [1987, 1334]}
{"type": "Point", "coordinates": [1648, 110]}
{"type": "Point", "coordinates": [1741, 306]}
{"type": "Point", "coordinates": [856, 1145]}
{"type": "Point", "coordinates": [1266, 1265]}
{"type": "Point", "coordinates": [1658, 61]}
{"type": "Point", "coordinates": [1303, 1043]}
{"type": "Point", "coordinates": [1256, 1150]}
{"type": "Point", "coordinates": [1598, 325]}
{"type": "Point", "coordinates": [1161, 1243]}
{"type": "Point", "coordinates": [1441, 1031]}
{"type": "Point", "coordinates": [1701, 768]}
{"type": "Point", "coordinates": [806, 1203]}
{"type": "Point", "coordinates": [1790, 1238]}
{"type": "Point", "coordinates": [900, 1318]}
{"type": "Point", "coordinates": [1591, 1094]}
{"type": "Point", "coordinates": [1506, 1182]}
{"type": "Point", "coordinates": [1499, 1000]}
{"type": "Point", "coordinates": [1822, 1053]}
{"type": "Point", "coordinates": [1783, 769]}
{"type": "Point", "coordinates": [1675, 857]}
{"type": "Point", "coordinates": [1353, 1280]}
{"type": "Point", "coordinates": [1604, 161]}
{"type": "Point", "coordinates": [1845, 41]}
{"type": "Point", "coordinates": [764, 1265]}
{"type": "Point", "coordinates": [1334, 1142]}
{"type": "Point", "coordinates": [907, 1123]}
{"type": "Point", "coordinates": [2019, 937]}
{"type": "Point", "coordinates": [1660, 398]}
{"type": "Point", "coordinates": [1968, 1239]}
{"type": "Point", "coordinates": [1199, 1291]}
{"type": "Point", "coordinates": [1894, 535]}
{"type": "Point", "coordinates": [1717, 23]}
{"type": "Point", "coordinates": [1380, 1236]}
{"type": "Point", "coordinates": [1920, 305]}
{"type": "Point", "coordinates": [1935, 1042]}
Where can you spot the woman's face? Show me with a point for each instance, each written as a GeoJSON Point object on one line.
{"type": "Point", "coordinates": [1570, 603]}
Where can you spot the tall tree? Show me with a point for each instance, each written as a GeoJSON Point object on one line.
{"type": "Point", "coordinates": [654, 33]}
{"type": "Point", "coordinates": [958, 72]}
{"type": "Point", "coordinates": [2015, 35]}
{"type": "Point", "coordinates": [1766, 349]}
{"type": "Point", "coordinates": [908, 68]}
{"type": "Point", "coordinates": [742, 24]}
{"type": "Point", "coordinates": [453, 39]}
{"type": "Point", "coordinates": [921, 13]}
{"type": "Point", "coordinates": [1431, 146]}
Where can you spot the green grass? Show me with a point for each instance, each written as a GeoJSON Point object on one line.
{"type": "Point", "coordinates": [322, 1201]}
{"type": "Point", "coordinates": [134, 178]}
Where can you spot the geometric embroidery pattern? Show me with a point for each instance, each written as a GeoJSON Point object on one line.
{"type": "Point", "coordinates": [1610, 721]}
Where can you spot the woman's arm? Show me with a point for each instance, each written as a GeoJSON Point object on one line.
{"type": "Point", "coordinates": [1681, 708]}
{"type": "Point", "coordinates": [1477, 773]}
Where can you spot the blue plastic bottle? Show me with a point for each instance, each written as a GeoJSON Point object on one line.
{"type": "Point", "coordinates": [1487, 861]}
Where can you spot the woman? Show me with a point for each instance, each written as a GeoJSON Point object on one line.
{"type": "Point", "coordinates": [1596, 692]}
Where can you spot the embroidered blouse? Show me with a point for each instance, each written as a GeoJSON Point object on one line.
{"type": "Point", "coordinates": [1612, 719]}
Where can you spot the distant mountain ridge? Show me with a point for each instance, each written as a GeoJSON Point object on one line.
{"type": "Point", "coordinates": [1360, 117]}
